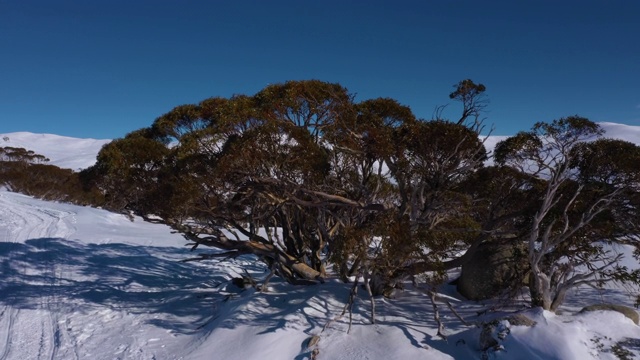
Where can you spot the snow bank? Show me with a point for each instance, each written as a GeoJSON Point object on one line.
{"type": "Point", "coordinates": [62, 151]}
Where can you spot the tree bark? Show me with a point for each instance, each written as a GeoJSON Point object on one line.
{"type": "Point", "coordinates": [539, 290]}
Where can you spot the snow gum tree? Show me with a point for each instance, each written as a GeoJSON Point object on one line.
{"type": "Point", "coordinates": [302, 176]}
{"type": "Point", "coordinates": [586, 201]}
{"type": "Point", "coordinates": [248, 175]}
{"type": "Point", "coordinates": [127, 169]}
{"type": "Point", "coordinates": [299, 175]}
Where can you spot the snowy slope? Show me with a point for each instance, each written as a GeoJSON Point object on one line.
{"type": "Point", "coordinates": [64, 152]}
{"type": "Point", "coordinates": [621, 131]}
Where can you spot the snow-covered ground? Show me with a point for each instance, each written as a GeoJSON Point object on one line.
{"type": "Point", "coordinates": [83, 283]}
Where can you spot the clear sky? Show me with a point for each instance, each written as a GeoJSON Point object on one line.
{"type": "Point", "coordinates": [103, 68]}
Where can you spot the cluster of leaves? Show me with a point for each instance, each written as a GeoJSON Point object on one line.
{"type": "Point", "coordinates": [301, 175]}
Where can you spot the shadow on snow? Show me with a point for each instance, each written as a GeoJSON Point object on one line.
{"type": "Point", "coordinates": [57, 273]}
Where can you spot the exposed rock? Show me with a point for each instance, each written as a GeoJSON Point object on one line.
{"type": "Point", "coordinates": [487, 339]}
{"type": "Point", "coordinates": [520, 320]}
{"type": "Point", "coordinates": [315, 353]}
{"type": "Point", "coordinates": [494, 332]}
{"type": "Point", "coordinates": [631, 313]}
{"type": "Point", "coordinates": [243, 282]}
{"type": "Point", "coordinates": [313, 340]}
{"type": "Point", "coordinates": [380, 285]}
{"type": "Point", "coordinates": [495, 268]}
{"type": "Point", "coordinates": [311, 343]}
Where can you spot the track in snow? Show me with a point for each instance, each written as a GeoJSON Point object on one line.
{"type": "Point", "coordinates": [33, 332]}
{"type": "Point", "coordinates": [82, 283]}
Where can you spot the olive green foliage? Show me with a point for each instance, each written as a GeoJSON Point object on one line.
{"type": "Point", "coordinates": [307, 176]}
{"type": "Point", "coordinates": [128, 170]}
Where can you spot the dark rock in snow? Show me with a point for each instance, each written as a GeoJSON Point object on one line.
{"type": "Point", "coordinates": [495, 268]}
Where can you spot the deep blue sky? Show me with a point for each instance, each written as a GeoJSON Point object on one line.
{"type": "Point", "coordinates": [103, 68]}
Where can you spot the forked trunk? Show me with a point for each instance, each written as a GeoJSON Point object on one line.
{"type": "Point", "coordinates": [539, 291]}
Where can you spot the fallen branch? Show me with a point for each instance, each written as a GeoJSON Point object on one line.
{"type": "Point", "coordinates": [348, 305]}
{"type": "Point", "coordinates": [436, 315]}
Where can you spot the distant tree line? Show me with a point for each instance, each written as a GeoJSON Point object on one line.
{"type": "Point", "coordinates": [22, 155]}
{"type": "Point", "coordinates": [307, 179]}
{"type": "Point", "coordinates": [27, 172]}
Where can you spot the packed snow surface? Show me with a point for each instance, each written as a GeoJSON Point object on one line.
{"type": "Point", "coordinates": [84, 283]}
